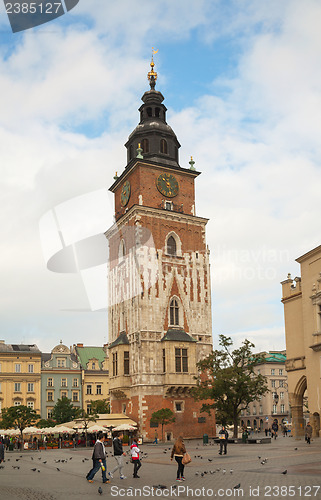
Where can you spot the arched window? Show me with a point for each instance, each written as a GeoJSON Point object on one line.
{"type": "Point", "coordinates": [171, 246]}
{"type": "Point", "coordinates": [149, 111]}
{"type": "Point", "coordinates": [174, 312]}
{"type": "Point", "coordinates": [145, 145]}
{"type": "Point", "coordinates": [163, 146]}
{"type": "Point", "coordinates": [157, 112]}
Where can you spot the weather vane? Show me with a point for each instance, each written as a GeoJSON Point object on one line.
{"type": "Point", "coordinates": [152, 75]}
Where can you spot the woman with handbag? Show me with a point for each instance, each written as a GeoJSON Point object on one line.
{"type": "Point", "coordinates": [178, 452]}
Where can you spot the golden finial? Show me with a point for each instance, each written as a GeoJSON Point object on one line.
{"type": "Point", "coordinates": [152, 75]}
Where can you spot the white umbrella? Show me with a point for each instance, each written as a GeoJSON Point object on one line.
{"type": "Point", "coordinates": [48, 430]}
{"type": "Point", "coordinates": [124, 427]}
{"type": "Point", "coordinates": [96, 428]}
{"type": "Point", "coordinates": [13, 432]}
{"type": "Point", "coordinates": [62, 429]}
{"type": "Point", "coordinates": [32, 430]}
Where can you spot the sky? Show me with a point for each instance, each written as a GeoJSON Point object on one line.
{"type": "Point", "coordinates": [242, 84]}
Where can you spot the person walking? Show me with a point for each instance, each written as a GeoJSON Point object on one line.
{"type": "Point", "coordinates": [275, 428]}
{"type": "Point", "coordinates": [178, 452]}
{"type": "Point", "coordinates": [308, 433]}
{"type": "Point", "coordinates": [156, 438]}
{"type": "Point", "coordinates": [135, 457]}
{"type": "Point", "coordinates": [118, 454]}
{"type": "Point", "coordinates": [99, 460]}
{"type": "Point", "coordinates": [223, 436]}
{"type": "Point", "coordinates": [1, 450]}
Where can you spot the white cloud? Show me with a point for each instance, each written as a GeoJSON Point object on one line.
{"type": "Point", "coordinates": [257, 144]}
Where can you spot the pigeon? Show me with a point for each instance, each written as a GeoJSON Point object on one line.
{"type": "Point", "coordinates": [17, 459]}
{"type": "Point", "coordinates": [285, 471]}
{"type": "Point", "coordinates": [223, 471]}
{"type": "Point", "coordinates": [57, 461]}
{"type": "Point", "coordinates": [210, 459]}
{"type": "Point", "coordinates": [259, 458]}
{"type": "Point", "coordinates": [100, 491]}
{"type": "Point", "coordinates": [196, 473]}
{"type": "Point", "coordinates": [44, 462]}
{"type": "Point", "coordinates": [15, 467]}
{"type": "Point", "coordinates": [39, 458]}
{"type": "Point", "coordinates": [58, 469]}
{"type": "Point", "coordinates": [70, 458]}
{"type": "Point", "coordinates": [202, 474]}
{"type": "Point", "coordinates": [295, 448]}
{"type": "Point", "coordinates": [237, 486]}
{"type": "Point", "coordinates": [31, 458]}
{"type": "Point", "coordinates": [34, 470]}
{"type": "Point", "coordinates": [231, 471]}
{"type": "Point", "coordinates": [38, 470]}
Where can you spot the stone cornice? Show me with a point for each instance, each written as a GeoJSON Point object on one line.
{"type": "Point", "coordinates": [139, 210]}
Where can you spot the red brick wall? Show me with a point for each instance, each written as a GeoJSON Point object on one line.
{"type": "Point", "coordinates": [143, 181]}
{"type": "Point", "coordinates": [185, 424]}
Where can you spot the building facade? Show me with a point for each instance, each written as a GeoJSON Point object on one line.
{"type": "Point", "coordinates": [159, 309]}
{"type": "Point", "coordinates": [301, 297]}
{"type": "Point", "coordinates": [20, 376]}
{"type": "Point", "coordinates": [94, 374]}
{"type": "Point", "coordinates": [60, 377]}
{"type": "Point", "coordinates": [274, 405]}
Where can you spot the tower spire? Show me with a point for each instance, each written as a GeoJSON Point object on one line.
{"type": "Point", "coordinates": [152, 75]}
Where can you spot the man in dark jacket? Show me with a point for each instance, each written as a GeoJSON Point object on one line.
{"type": "Point", "coordinates": [1, 451]}
{"type": "Point", "coordinates": [99, 459]}
{"type": "Point", "coordinates": [118, 454]}
{"type": "Point", "coordinates": [275, 428]}
{"type": "Point", "coordinates": [223, 435]}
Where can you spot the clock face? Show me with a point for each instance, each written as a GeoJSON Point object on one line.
{"type": "Point", "coordinates": [167, 185]}
{"type": "Point", "coordinates": [125, 193]}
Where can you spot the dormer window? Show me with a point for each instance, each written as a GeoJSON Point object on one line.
{"type": "Point", "coordinates": [163, 146]}
{"type": "Point", "coordinates": [145, 145]}
{"type": "Point", "coordinates": [168, 206]}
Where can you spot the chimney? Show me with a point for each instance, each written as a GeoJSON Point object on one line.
{"type": "Point", "coordinates": [80, 345]}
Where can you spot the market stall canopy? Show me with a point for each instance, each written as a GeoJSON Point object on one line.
{"type": "Point", "coordinates": [104, 419]}
{"type": "Point", "coordinates": [125, 427]}
{"type": "Point", "coordinates": [32, 430]}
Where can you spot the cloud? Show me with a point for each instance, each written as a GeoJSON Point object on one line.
{"type": "Point", "coordinates": [69, 100]}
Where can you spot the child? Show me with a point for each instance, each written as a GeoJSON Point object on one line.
{"type": "Point", "coordinates": [135, 457]}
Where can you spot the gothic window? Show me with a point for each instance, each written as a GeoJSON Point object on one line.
{"type": "Point", "coordinates": [181, 361]}
{"type": "Point", "coordinates": [171, 246]}
{"type": "Point", "coordinates": [126, 362]}
{"type": "Point", "coordinates": [174, 312]}
{"type": "Point", "coordinates": [163, 146]}
{"type": "Point", "coordinates": [145, 145]}
{"type": "Point", "coordinates": [115, 364]}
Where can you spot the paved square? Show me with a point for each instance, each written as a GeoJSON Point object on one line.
{"type": "Point", "coordinates": [208, 476]}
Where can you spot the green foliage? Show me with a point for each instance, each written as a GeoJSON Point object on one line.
{"type": "Point", "coordinates": [64, 411]}
{"type": "Point", "coordinates": [163, 416]}
{"type": "Point", "coordinates": [100, 406]}
{"type": "Point", "coordinates": [18, 416]}
{"type": "Point", "coordinates": [228, 380]}
{"type": "Point", "coordinates": [43, 423]}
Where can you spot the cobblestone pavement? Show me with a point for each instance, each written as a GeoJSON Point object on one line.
{"type": "Point", "coordinates": [208, 476]}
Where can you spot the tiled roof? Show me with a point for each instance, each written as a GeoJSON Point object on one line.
{"type": "Point", "coordinates": [121, 339]}
{"type": "Point", "coordinates": [178, 335]}
{"type": "Point", "coordinates": [16, 348]}
{"type": "Point", "coordinates": [87, 353]}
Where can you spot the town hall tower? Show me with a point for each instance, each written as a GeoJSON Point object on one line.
{"type": "Point", "coordinates": [159, 311]}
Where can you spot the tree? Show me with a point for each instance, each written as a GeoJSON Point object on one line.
{"type": "Point", "coordinates": [18, 416]}
{"type": "Point", "coordinates": [64, 411]}
{"type": "Point", "coordinates": [43, 423]}
{"type": "Point", "coordinates": [100, 406]}
{"type": "Point", "coordinates": [163, 416]}
{"type": "Point", "coordinates": [84, 418]}
{"type": "Point", "coordinates": [228, 379]}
